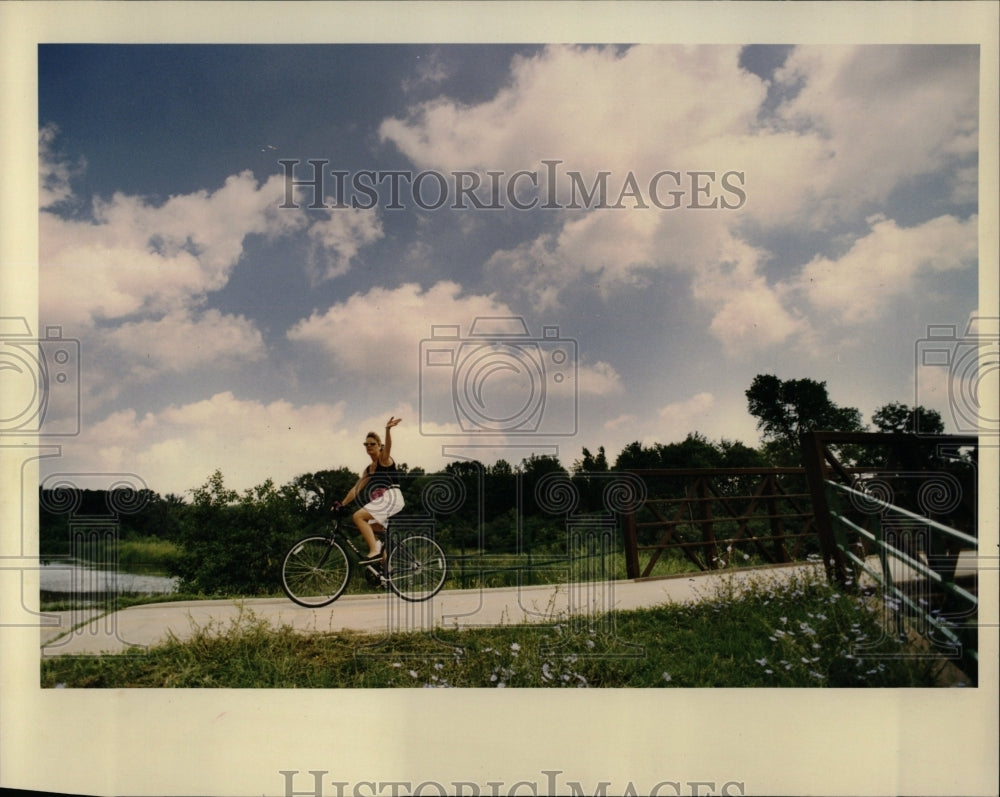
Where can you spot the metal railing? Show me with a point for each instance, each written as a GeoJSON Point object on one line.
{"type": "Point", "coordinates": [924, 566]}
{"type": "Point", "coordinates": [917, 566]}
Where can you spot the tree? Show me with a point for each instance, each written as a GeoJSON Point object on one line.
{"type": "Point", "coordinates": [911, 452]}
{"type": "Point", "coordinates": [317, 491]}
{"type": "Point", "coordinates": [500, 489]}
{"type": "Point", "coordinates": [897, 417]}
{"type": "Point", "coordinates": [635, 456]}
{"type": "Point", "coordinates": [694, 451]}
{"type": "Point", "coordinates": [739, 455]}
{"type": "Point", "coordinates": [233, 543]}
{"type": "Point", "coordinates": [590, 463]}
{"type": "Point", "coordinates": [785, 409]}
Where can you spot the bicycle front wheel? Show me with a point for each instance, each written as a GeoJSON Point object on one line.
{"type": "Point", "coordinates": [416, 568]}
{"type": "Point", "coordinates": [315, 572]}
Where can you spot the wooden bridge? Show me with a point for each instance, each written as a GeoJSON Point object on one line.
{"type": "Point", "coordinates": [903, 523]}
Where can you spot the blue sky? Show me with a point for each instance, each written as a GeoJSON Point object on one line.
{"type": "Point", "coordinates": [838, 187]}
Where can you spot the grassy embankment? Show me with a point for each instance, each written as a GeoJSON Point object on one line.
{"type": "Point", "coordinates": [800, 634]}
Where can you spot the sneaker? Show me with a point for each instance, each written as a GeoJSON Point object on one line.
{"type": "Point", "coordinates": [375, 558]}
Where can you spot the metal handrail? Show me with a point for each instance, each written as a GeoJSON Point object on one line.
{"type": "Point", "coordinates": [887, 550]}
{"type": "Point", "coordinates": [948, 530]}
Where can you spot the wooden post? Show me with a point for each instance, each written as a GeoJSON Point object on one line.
{"type": "Point", "coordinates": [631, 540]}
{"type": "Point", "coordinates": [777, 525]}
{"type": "Point", "coordinates": [707, 526]}
{"type": "Point", "coordinates": [812, 460]}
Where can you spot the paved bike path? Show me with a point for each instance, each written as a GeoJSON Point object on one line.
{"type": "Point", "coordinates": [139, 627]}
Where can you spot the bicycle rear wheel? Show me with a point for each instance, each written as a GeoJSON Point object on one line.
{"type": "Point", "coordinates": [315, 571]}
{"type": "Point", "coordinates": [416, 568]}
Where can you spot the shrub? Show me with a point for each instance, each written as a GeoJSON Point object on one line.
{"type": "Point", "coordinates": [233, 544]}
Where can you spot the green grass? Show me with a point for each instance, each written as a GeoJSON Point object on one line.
{"type": "Point", "coordinates": [147, 555]}
{"type": "Point", "coordinates": [801, 634]}
{"type": "Point", "coordinates": [508, 570]}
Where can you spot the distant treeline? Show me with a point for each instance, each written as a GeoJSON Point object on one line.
{"type": "Point", "coordinates": [232, 542]}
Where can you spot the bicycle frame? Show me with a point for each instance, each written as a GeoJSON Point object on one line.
{"type": "Point", "coordinates": [341, 536]}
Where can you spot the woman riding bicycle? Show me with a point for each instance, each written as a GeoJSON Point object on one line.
{"type": "Point", "coordinates": [385, 499]}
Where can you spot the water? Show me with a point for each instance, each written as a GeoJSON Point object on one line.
{"type": "Point", "coordinates": [69, 578]}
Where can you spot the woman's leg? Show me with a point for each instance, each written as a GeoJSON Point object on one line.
{"type": "Point", "coordinates": [362, 519]}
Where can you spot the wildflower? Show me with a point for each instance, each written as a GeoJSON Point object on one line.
{"type": "Point", "coordinates": [397, 664]}
{"type": "Point", "coordinates": [666, 677]}
{"type": "Point", "coordinates": [761, 662]}
{"type": "Point", "coordinates": [413, 674]}
{"type": "Point", "coordinates": [515, 647]}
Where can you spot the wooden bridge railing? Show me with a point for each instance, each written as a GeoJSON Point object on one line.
{"type": "Point", "coordinates": [720, 517]}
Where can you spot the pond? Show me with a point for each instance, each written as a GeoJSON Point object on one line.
{"type": "Point", "coordinates": [64, 578]}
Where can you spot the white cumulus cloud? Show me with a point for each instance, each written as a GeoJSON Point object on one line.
{"type": "Point", "coordinates": [178, 447]}
{"type": "Point", "coordinates": [887, 264]}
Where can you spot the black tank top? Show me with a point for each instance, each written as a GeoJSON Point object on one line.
{"type": "Point", "coordinates": [384, 476]}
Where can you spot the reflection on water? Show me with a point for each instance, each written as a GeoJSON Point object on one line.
{"type": "Point", "coordinates": [74, 578]}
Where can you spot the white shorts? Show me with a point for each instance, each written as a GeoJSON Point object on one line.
{"type": "Point", "coordinates": [385, 506]}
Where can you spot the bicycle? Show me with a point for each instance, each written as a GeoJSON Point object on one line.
{"type": "Point", "coordinates": [316, 569]}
